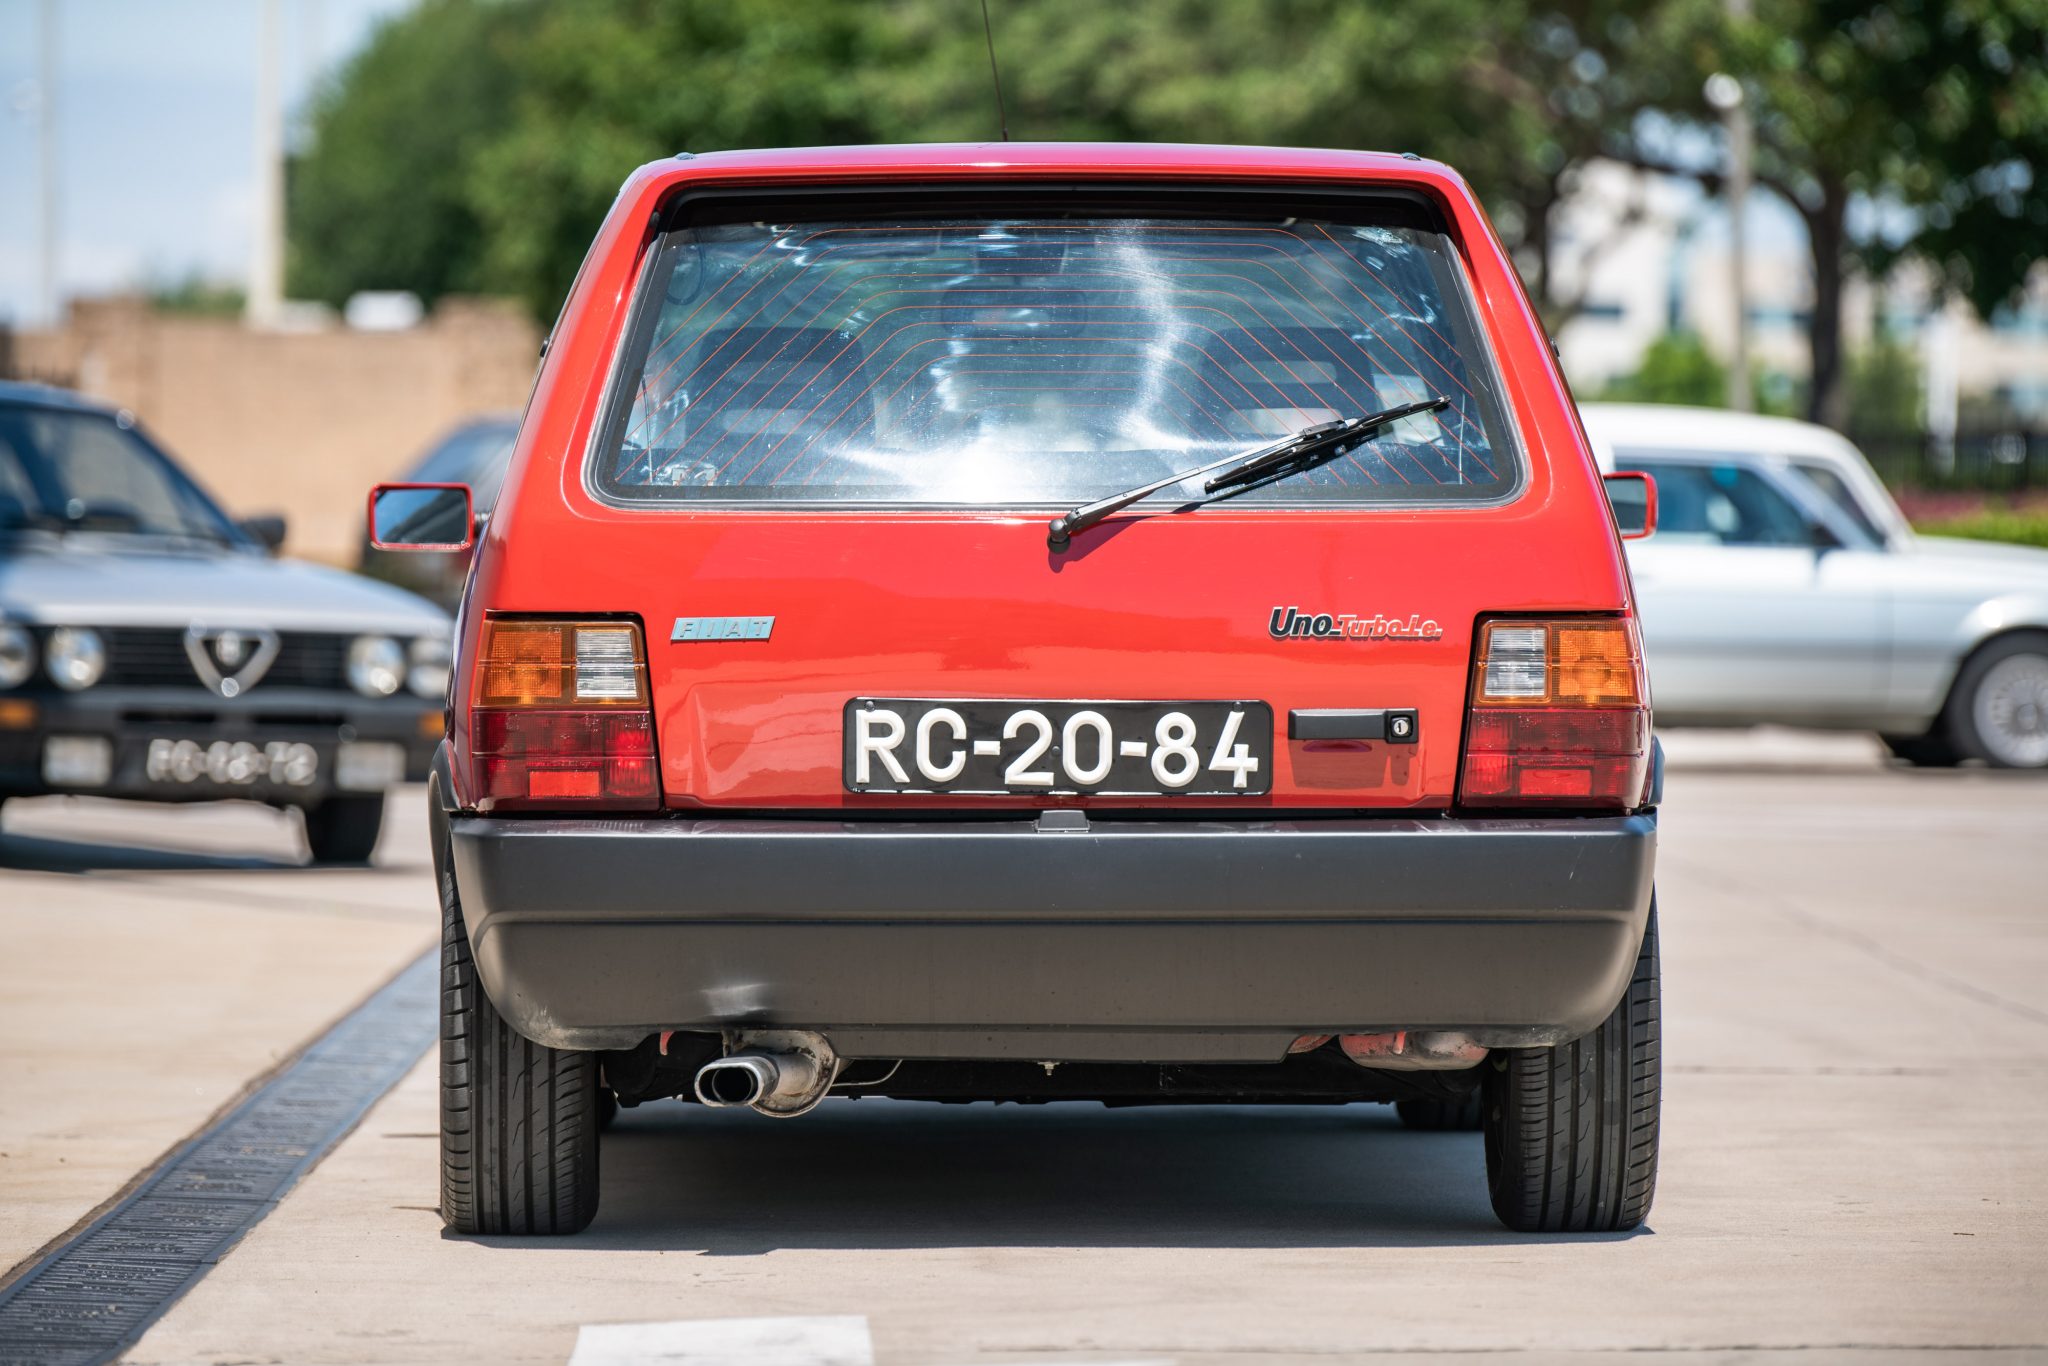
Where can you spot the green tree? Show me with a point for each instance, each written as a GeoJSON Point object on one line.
{"type": "Point", "coordinates": [1677, 368]}
{"type": "Point", "coordinates": [1884, 388]}
{"type": "Point", "coordinates": [193, 295]}
{"type": "Point", "coordinates": [1517, 94]}
{"type": "Point", "coordinates": [380, 200]}
{"type": "Point", "coordinates": [605, 85]}
{"type": "Point", "coordinates": [476, 142]}
{"type": "Point", "coordinates": [1936, 110]}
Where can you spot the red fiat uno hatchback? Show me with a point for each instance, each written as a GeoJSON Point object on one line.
{"type": "Point", "coordinates": [1136, 624]}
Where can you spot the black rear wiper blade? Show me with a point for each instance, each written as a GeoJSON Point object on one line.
{"type": "Point", "coordinates": [1296, 450]}
{"type": "Point", "coordinates": [1314, 441]}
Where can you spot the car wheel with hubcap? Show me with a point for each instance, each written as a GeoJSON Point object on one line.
{"type": "Point", "coordinates": [519, 1120]}
{"type": "Point", "coordinates": [2000, 707]}
{"type": "Point", "coordinates": [1571, 1131]}
{"type": "Point", "coordinates": [344, 829]}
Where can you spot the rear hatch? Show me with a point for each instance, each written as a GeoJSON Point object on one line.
{"type": "Point", "coordinates": [838, 430]}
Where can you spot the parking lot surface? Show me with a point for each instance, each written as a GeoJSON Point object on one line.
{"type": "Point", "coordinates": [1855, 1155]}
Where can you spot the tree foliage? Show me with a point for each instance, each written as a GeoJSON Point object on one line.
{"type": "Point", "coordinates": [1677, 368]}
{"type": "Point", "coordinates": [1932, 113]}
{"type": "Point", "coordinates": [475, 143]}
{"type": "Point", "coordinates": [383, 200]}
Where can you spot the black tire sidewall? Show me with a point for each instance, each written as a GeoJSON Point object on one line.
{"type": "Point", "coordinates": [345, 829]}
{"type": "Point", "coordinates": [1542, 1177]}
{"type": "Point", "coordinates": [480, 1052]}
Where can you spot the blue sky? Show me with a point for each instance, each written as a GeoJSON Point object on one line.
{"type": "Point", "coordinates": [156, 121]}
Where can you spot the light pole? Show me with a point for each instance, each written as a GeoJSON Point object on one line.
{"type": "Point", "coordinates": [46, 160]}
{"type": "Point", "coordinates": [266, 248]}
{"type": "Point", "coordinates": [1725, 94]}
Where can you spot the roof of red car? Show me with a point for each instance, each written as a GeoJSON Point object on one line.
{"type": "Point", "coordinates": [1039, 157]}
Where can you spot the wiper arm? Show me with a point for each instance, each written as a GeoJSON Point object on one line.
{"type": "Point", "coordinates": [1295, 451]}
{"type": "Point", "coordinates": [1314, 441]}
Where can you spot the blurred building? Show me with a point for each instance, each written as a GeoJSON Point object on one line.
{"type": "Point", "coordinates": [1644, 254]}
{"type": "Point", "coordinates": [300, 421]}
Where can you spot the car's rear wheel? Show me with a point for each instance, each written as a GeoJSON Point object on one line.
{"type": "Point", "coordinates": [1999, 710]}
{"type": "Point", "coordinates": [1571, 1131]}
{"type": "Point", "coordinates": [519, 1120]}
{"type": "Point", "coordinates": [1441, 1116]}
{"type": "Point", "coordinates": [344, 829]}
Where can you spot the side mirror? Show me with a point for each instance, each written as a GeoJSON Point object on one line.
{"type": "Point", "coordinates": [266, 530]}
{"type": "Point", "coordinates": [421, 517]}
{"type": "Point", "coordinates": [1633, 497]}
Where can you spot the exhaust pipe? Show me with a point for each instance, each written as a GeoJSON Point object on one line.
{"type": "Point", "coordinates": [738, 1080]}
{"type": "Point", "coordinates": [782, 1073]}
{"type": "Point", "coordinates": [1409, 1050]}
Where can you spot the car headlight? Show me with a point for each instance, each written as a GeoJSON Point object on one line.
{"type": "Point", "coordinates": [376, 666]}
{"type": "Point", "coordinates": [17, 655]}
{"type": "Point", "coordinates": [429, 657]}
{"type": "Point", "coordinates": [75, 657]}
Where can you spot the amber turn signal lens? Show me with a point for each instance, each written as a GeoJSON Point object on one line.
{"type": "Point", "coordinates": [1596, 666]}
{"type": "Point", "coordinates": [1566, 662]}
{"type": "Point", "coordinates": [523, 663]}
{"type": "Point", "coordinates": [561, 663]}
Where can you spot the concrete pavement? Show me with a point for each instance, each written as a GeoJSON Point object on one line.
{"type": "Point", "coordinates": [154, 962]}
{"type": "Point", "coordinates": [1855, 1161]}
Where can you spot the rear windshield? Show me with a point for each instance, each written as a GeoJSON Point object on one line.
{"type": "Point", "coordinates": [1045, 358]}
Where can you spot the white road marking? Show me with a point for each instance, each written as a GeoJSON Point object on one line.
{"type": "Point", "coordinates": [810, 1341]}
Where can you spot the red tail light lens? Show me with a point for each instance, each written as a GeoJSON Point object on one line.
{"type": "Point", "coordinates": [560, 719]}
{"type": "Point", "coordinates": [1560, 716]}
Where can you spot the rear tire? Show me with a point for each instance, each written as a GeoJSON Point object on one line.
{"type": "Point", "coordinates": [519, 1120]}
{"type": "Point", "coordinates": [344, 829]}
{"type": "Point", "coordinates": [1441, 1116]}
{"type": "Point", "coordinates": [1571, 1131]}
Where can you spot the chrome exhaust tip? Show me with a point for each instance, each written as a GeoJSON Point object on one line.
{"type": "Point", "coordinates": [739, 1080]}
{"type": "Point", "coordinates": [776, 1072]}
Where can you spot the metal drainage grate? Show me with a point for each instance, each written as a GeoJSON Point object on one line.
{"type": "Point", "coordinates": [91, 1298]}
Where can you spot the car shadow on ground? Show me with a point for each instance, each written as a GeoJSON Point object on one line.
{"type": "Point", "coordinates": [891, 1175]}
{"type": "Point", "coordinates": [44, 854]}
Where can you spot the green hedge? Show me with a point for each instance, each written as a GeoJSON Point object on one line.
{"type": "Point", "coordinates": [2017, 528]}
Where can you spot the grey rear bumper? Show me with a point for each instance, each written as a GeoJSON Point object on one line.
{"type": "Point", "coordinates": [1129, 941]}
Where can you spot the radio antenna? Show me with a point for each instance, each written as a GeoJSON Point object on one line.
{"type": "Point", "coordinates": [1002, 119]}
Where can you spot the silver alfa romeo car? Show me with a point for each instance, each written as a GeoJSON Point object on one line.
{"type": "Point", "coordinates": [1784, 585]}
{"type": "Point", "coordinates": [153, 648]}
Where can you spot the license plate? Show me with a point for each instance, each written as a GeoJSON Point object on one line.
{"type": "Point", "coordinates": [1110, 749]}
{"type": "Point", "coordinates": [232, 763]}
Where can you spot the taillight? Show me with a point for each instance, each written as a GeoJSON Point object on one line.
{"type": "Point", "coordinates": [1560, 715]}
{"type": "Point", "coordinates": [560, 718]}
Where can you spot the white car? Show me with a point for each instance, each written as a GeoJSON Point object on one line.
{"type": "Point", "coordinates": [1784, 585]}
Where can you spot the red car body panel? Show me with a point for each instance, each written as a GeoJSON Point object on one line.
{"type": "Point", "coordinates": [941, 603]}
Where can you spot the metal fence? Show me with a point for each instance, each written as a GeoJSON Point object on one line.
{"type": "Point", "coordinates": [1989, 459]}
